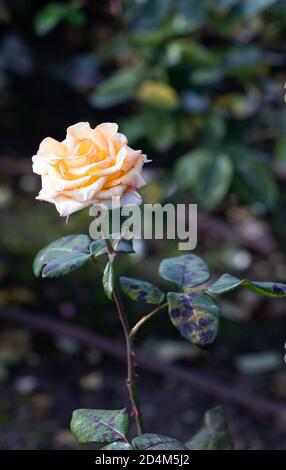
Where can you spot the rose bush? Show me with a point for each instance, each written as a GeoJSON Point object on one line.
{"type": "Point", "coordinates": [90, 166]}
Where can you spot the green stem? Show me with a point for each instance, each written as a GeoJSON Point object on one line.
{"type": "Point", "coordinates": [131, 377]}
{"type": "Point", "coordinates": [146, 318]}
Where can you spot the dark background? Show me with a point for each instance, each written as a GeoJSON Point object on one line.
{"type": "Point", "coordinates": [182, 79]}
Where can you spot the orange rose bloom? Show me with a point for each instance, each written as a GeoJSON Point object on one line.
{"type": "Point", "coordinates": [90, 166]}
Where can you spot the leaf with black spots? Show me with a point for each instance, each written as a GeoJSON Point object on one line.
{"type": "Point", "coordinates": [214, 435]}
{"type": "Point", "coordinates": [89, 426]}
{"type": "Point", "coordinates": [150, 441]}
{"type": "Point", "coordinates": [141, 291]}
{"type": "Point", "coordinates": [186, 270]}
{"type": "Point", "coordinates": [62, 256]}
{"type": "Point", "coordinates": [195, 315]}
{"type": "Point", "coordinates": [227, 283]}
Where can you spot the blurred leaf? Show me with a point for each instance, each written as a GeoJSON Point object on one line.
{"type": "Point", "coordinates": [195, 315]}
{"type": "Point", "coordinates": [118, 89]}
{"type": "Point", "coordinates": [252, 177]}
{"type": "Point", "coordinates": [89, 426]}
{"type": "Point", "coordinates": [118, 446]}
{"type": "Point", "coordinates": [214, 435]}
{"type": "Point", "coordinates": [158, 94]}
{"type": "Point", "coordinates": [108, 280]}
{"type": "Point", "coordinates": [194, 103]}
{"type": "Point", "coordinates": [172, 27]}
{"type": "Point", "coordinates": [49, 17]}
{"type": "Point", "coordinates": [53, 13]}
{"type": "Point", "coordinates": [161, 131]}
{"type": "Point", "coordinates": [243, 58]}
{"type": "Point", "coordinates": [190, 52]}
{"type": "Point", "coordinates": [150, 441]}
{"type": "Point", "coordinates": [74, 16]}
{"type": "Point", "coordinates": [207, 76]}
{"type": "Point", "coordinates": [186, 271]}
{"type": "Point", "coordinates": [62, 256]}
{"type": "Point", "coordinates": [208, 174]}
{"type": "Point", "coordinates": [154, 11]}
{"type": "Point", "coordinates": [255, 7]}
{"type": "Point", "coordinates": [259, 363]}
{"type": "Point", "coordinates": [156, 126]}
{"type": "Point", "coordinates": [141, 291]}
{"type": "Point", "coordinates": [240, 105]}
{"type": "Point", "coordinates": [227, 283]}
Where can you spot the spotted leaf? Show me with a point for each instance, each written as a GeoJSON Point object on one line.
{"type": "Point", "coordinates": [150, 441]}
{"type": "Point", "coordinates": [62, 256]}
{"type": "Point", "coordinates": [186, 271]}
{"type": "Point", "coordinates": [227, 283]}
{"type": "Point", "coordinates": [141, 291]}
{"type": "Point", "coordinates": [90, 426]}
{"type": "Point", "coordinates": [195, 315]}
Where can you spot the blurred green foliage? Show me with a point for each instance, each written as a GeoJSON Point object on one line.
{"type": "Point", "coordinates": [202, 80]}
{"type": "Point", "coordinates": [199, 85]}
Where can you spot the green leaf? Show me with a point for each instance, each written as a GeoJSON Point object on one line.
{"type": "Point", "coordinates": [214, 435]}
{"type": "Point", "coordinates": [90, 426]}
{"type": "Point", "coordinates": [207, 173]}
{"type": "Point", "coordinates": [98, 247]}
{"type": "Point", "coordinates": [141, 291]}
{"type": "Point", "coordinates": [150, 441]}
{"type": "Point", "coordinates": [195, 315]}
{"type": "Point", "coordinates": [253, 179]}
{"type": "Point", "coordinates": [118, 89]}
{"type": "Point", "coordinates": [156, 126]}
{"type": "Point", "coordinates": [224, 284]}
{"type": "Point", "coordinates": [49, 17]}
{"type": "Point", "coordinates": [53, 13]}
{"type": "Point", "coordinates": [108, 279]}
{"type": "Point", "coordinates": [227, 283]}
{"type": "Point", "coordinates": [62, 256]}
{"type": "Point", "coordinates": [186, 270]}
{"type": "Point", "coordinates": [118, 446]}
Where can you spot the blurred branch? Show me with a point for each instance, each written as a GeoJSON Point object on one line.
{"type": "Point", "coordinates": [261, 243]}
{"type": "Point", "coordinates": [207, 385]}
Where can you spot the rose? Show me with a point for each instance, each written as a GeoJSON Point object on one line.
{"type": "Point", "coordinates": [90, 166]}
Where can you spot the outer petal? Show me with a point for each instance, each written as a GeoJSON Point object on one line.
{"type": "Point", "coordinates": [110, 129]}
{"type": "Point", "coordinates": [129, 197]}
{"type": "Point", "coordinates": [68, 206]}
